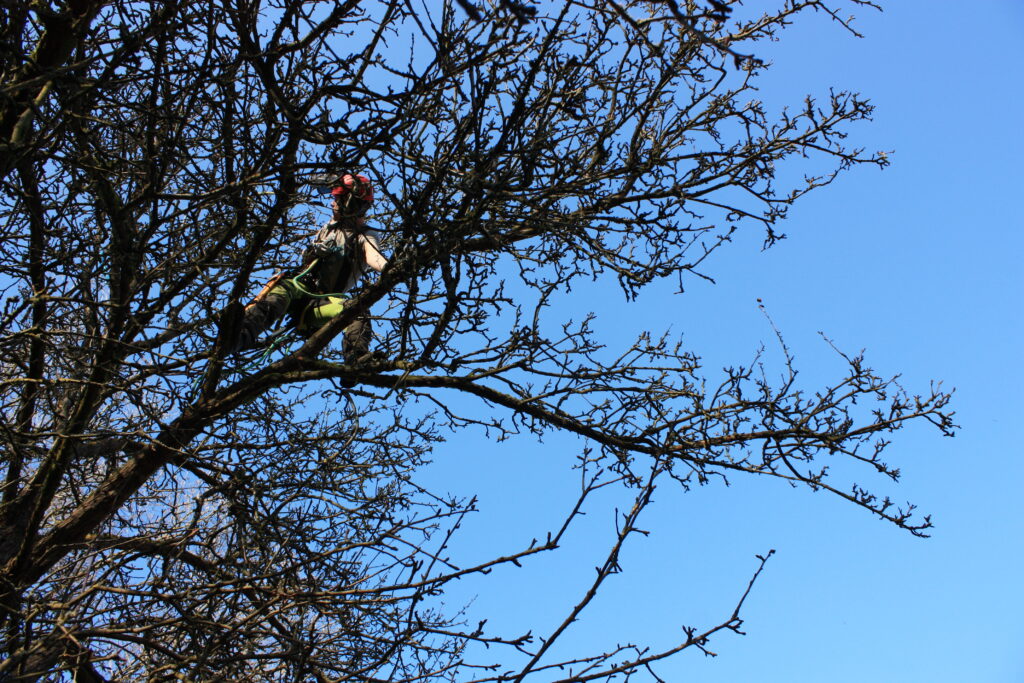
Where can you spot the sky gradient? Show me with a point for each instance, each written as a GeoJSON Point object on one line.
{"type": "Point", "coordinates": [917, 265]}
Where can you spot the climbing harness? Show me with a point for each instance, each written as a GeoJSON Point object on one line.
{"type": "Point", "coordinates": [331, 265]}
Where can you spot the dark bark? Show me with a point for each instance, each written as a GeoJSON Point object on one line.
{"type": "Point", "coordinates": [165, 510]}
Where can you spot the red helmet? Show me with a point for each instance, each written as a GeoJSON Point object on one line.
{"type": "Point", "coordinates": [358, 186]}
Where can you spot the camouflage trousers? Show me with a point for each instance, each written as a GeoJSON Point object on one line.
{"type": "Point", "coordinates": [307, 313]}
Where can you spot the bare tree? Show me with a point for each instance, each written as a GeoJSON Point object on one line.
{"type": "Point", "coordinates": [168, 514]}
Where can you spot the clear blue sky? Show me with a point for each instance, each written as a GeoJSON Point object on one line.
{"type": "Point", "coordinates": [919, 266]}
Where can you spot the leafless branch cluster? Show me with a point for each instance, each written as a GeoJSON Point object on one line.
{"type": "Point", "coordinates": [166, 514]}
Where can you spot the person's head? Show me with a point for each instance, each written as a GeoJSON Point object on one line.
{"type": "Point", "coordinates": [352, 196]}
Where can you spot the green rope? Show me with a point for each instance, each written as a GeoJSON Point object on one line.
{"type": "Point", "coordinates": [274, 342]}
{"type": "Point", "coordinates": [313, 295]}
{"type": "Point", "coordinates": [302, 289]}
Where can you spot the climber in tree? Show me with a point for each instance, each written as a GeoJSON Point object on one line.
{"type": "Point", "coordinates": [314, 293]}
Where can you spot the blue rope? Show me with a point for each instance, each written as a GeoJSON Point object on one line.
{"type": "Point", "coordinates": [274, 342]}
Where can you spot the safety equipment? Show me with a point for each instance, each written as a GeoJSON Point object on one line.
{"type": "Point", "coordinates": [349, 186]}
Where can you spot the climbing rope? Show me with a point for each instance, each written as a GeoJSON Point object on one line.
{"type": "Point", "coordinates": [282, 338]}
